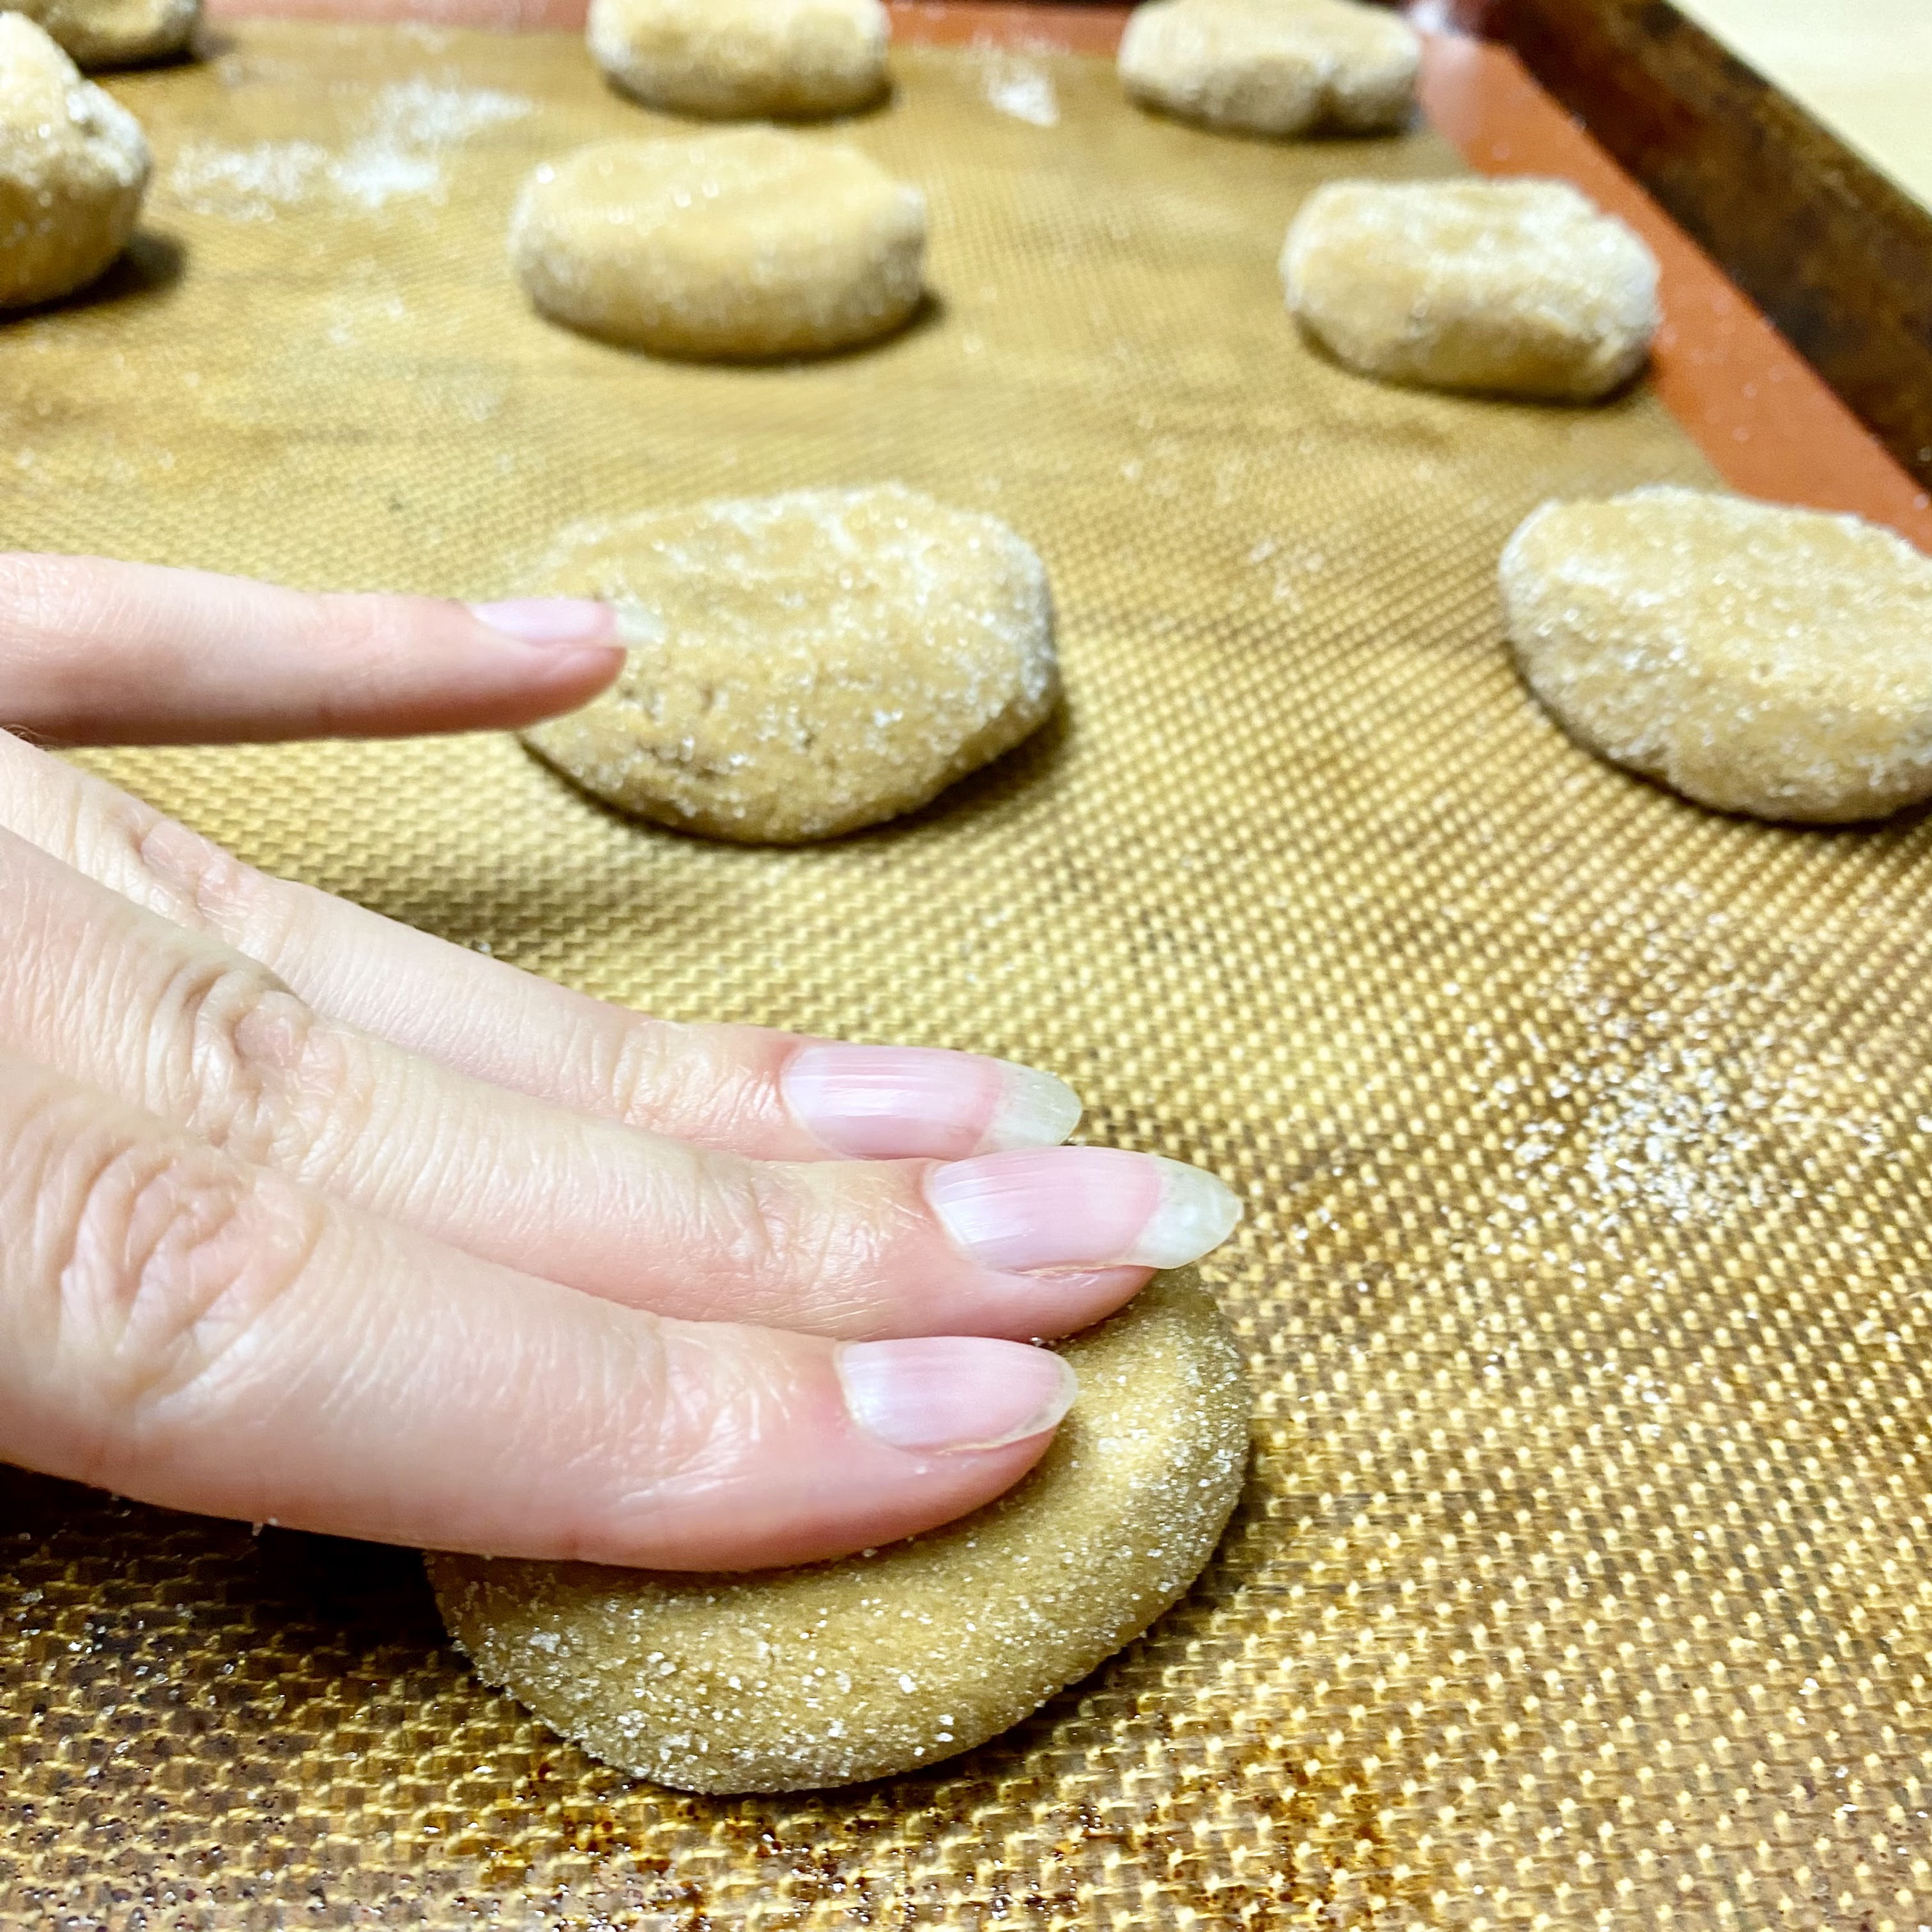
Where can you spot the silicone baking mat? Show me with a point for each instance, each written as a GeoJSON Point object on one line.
{"type": "Point", "coordinates": [1582, 1578]}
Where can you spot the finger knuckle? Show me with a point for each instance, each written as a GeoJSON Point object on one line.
{"type": "Point", "coordinates": [268, 1079]}
{"type": "Point", "coordinates": [681, 1079]}
{"type": "Point", "coordinates": [365, 636]}
{"type": "Point", "coordinates": [178, 872]}
{"type": "Point", "coordinates": [715, 1407]}
{"type": "Point", "coordinates": [630, 1067]}
{"type": "Point", "coordinates": [719, 1210]}
{"type": "Point", "coordinates": [754, 1225]}
{"type": "Point", "coordinates": [793, 1240]}
{"type": "Point", "coordinates": [658, 1074]}
{"type": "Point", "coordinates": [173, 1264]}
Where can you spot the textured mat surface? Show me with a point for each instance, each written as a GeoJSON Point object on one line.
{"type": "Point", "coordinates": [1583, 1579]}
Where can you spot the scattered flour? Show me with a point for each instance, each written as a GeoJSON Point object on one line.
{"type": "Point", "coordinates": [1691, 1110]}
{"type": "Point", "coordinates": [1019, 87]}
{"type": "Point", "coordinates": [246, 184]}
{"type": "Point", "coordinates": [426, 113]}
{"type": "Point", "coordinates": [397, 155]}
{"type": "Point", "coordinates": [372, 175]}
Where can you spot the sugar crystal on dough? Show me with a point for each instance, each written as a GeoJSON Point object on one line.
{"type": "Point", "coordinates": [1277, 67]}
{"type": "Point", "coordinates": [747, 244]}
{"type": "Point", "coordinates": [1150, 1460]}
{"type": "Point", "coordinates": [782, 60]}
{"type": "Point", "coordinates": [1756, 658]}
{"type": "Point", "coordinates": [810, 663]}
{"type": "Point", "coordinates": [1522, 287]}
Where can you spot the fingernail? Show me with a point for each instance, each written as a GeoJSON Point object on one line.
{"type": "Point", "coordinates": [1087, 1207]}
{"type": "Point", "coordinates": [943, 1392]}
{"type": "Point", "coordinates": [874, 1102]}
{"type": "Point", "coordinates": [1036, 1109]}
{"type": "Point", "coordinates": [549, 620]}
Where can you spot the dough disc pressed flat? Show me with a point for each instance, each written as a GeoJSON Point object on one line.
{"type": "Point", "coordinates": [804, 665]}
{"type": "Point", "coordinates": [738, 246]}
{"type": "Point", "coordinates": [1522, 288]}
{"type": "Point", "coordinates": [1756, 658]}
{"type": "Point", "coordinates": [1274, 67]}
{"type": "Point", "coordinates": [73, 166]}
{"type": "Point", "coordinates": [788, 1680]}
{"type": "Point", "coordinates": [780, 60]}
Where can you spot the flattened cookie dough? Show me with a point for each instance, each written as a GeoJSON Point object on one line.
{"type": "Point", "coordinates": [800, 666]}
{"type": "Point", "coordinates": [790, 1679]}
{"type": "Point", "coordinates": [116, 33]}
{"type": "Point", "coordinates": [1520, 287]}
{"type": "Point", "coordinates": [779, 60]}
{"type": "Point", "coordinates": [1276, 68]}
{"type": "Point", "coordinates": [73, 166]}
{"type": "Point", "coordinates": [736, 246]}
{"type": "Point", "coordinates": [1756, 659]}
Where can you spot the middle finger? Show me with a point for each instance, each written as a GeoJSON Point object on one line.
{"type": "Point", "coordinates": [1036, 1242]}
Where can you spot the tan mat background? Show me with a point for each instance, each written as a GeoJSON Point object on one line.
{"type": "Point", "coordinates": [1587, 1138]}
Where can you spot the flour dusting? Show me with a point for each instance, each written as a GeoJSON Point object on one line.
{"type": "Point", "coordinates": [428, 114]}
{"type": "Point", "coordinates": [396, 155]}
{"type": "Point", "coordinates": [246, 184]}
{"type": "Point", "coordinates": [371, 176]}
{"type": "Point", "coordinates": [1019, 88]}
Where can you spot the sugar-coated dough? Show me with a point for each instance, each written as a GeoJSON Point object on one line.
{"type": "Point", "coordinates": [73, 166]}
{"type": "Point", "coordinates": [789, 1679]}
{"type": "Point", "coordinates": [1756, 658]}
{"type": "Point", "coordinates": [730, 246]}
{"type": "Point", "coordinates": [116, 33]}
{"type": "Point", "coordinates": [1279, 67]}
{"type": "Point", "coordinates": [800, 666]}
{"type": "Point", "coordinates": [782, 60]}
{"type": "Point", "coordinates": [1520, 287]}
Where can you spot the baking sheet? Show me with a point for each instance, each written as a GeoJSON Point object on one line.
{"type": "Point", "coordinates": [1582, 1579]}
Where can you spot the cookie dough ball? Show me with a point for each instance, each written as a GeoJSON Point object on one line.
{"type": "Point", "coordinates": [800, 666]}
{"type": "Point", "coordinates": [739, 246]}
{"type": "Point", "coordinates": [1519, 287]}
{"type": "Point", "coordinates": [779, 60]}
{"type": "Point", "coordinates": [1756, 659]}
{"type": "Point", "coordinates": [116, 33]}
{"type": "Point", "coordinates": [73, 165]}
{"type": "Point", "coordinates": [1279, 67]}
{"type": "Point", "coordinates": [787, 1679]}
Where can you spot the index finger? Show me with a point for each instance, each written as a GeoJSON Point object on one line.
{"type": "Point", "coordinates": [94, 651]}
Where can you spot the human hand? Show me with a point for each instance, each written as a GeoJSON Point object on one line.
{"type": "Point", "coordinates": [309, 1217]}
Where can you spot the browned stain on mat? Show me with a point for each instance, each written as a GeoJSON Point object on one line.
{"type": "Point", "coordinates": [1583, 1579]}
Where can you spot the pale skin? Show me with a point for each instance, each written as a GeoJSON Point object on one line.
{"type": "Point", "coordinates": [308, 1217]}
